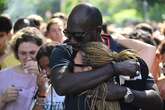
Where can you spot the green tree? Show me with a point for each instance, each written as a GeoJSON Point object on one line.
{"type": "Point", "coordinates": [68, 5]}
{"type": "Point", "coordinates": [157, 12]}
{"type": "Point", "coordinates": [2, 5]}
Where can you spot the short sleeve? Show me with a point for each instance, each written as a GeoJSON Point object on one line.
{"type": "Point", "coordinates": [62, 55]}
{"type": "Point", "coordinates": [114, 46]}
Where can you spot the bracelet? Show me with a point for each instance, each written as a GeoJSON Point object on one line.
{"type": "Point", "coordinates": [37, 103]}
{"type": "Point", "coordinates": [40, 101]}
{"type": "Point", "coordinates": [41, 96]}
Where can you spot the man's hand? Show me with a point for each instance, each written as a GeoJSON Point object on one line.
{"type": "Point", "coordinates": [127, 68]}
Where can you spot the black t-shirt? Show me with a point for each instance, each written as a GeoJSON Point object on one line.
{"type": "Point", "coordinates": [63, 55]}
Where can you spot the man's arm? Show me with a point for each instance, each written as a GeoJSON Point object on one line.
{"type": "Point", "coordinates": [148, 99]}
{"type": "Point", "coordinates": [67, 82]}
{"type": "Point", "coordinates": [74, 83]}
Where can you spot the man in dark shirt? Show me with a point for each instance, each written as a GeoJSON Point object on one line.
{"type": "Point", "coordinates": [84, 25]}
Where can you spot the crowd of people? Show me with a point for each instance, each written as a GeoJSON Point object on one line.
{"type": "Point", "coordinates": [79, 63]}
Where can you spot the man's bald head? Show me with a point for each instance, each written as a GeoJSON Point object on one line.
{"type": "Point", "coordinates": [84, 23]}
{"type": "Point", "coordinates": [83, 18]}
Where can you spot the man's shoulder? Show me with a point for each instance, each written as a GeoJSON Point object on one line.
{"type": "Point", "coordinates": [61, 56]}
{"type": "Point", "coordinates": [62, 48]}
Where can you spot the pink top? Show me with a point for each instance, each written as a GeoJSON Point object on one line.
{"type": "Point", "coordinates": [26, 82]}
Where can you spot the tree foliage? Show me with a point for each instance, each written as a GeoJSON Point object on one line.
{"type": "Point", "coordinates": [118, 11]}
{"type": "Point", "coordinates": [115, 11]}
{"type": "Point", "coordinates": [2, 5]}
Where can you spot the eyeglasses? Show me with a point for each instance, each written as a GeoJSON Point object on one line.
{"type": "Point", "coordinates": [79, 36]}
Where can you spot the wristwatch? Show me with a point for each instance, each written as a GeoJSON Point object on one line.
{"type": "Point", "coordinates": [129, 96]}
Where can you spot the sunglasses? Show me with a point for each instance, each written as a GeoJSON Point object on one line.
{"type": "Point", "coordinates": [79, 36]}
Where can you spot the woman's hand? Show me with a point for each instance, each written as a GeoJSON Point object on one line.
{"type": "Point", "coordinates": [10, 94]}
{"type": "Point", "coordinates": [43, 84]}
{"type": "Point", "coordinates": [31, 67]}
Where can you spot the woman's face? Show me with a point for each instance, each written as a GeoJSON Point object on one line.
{"type": "Point", "coordinates": [55, 32]}
{"type": "Point", "coordinates": [44, 63]}
{"type": "Point", "coordinates": [27, 50]}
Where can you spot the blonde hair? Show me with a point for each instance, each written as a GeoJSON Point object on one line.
{"type": "Point", "coordinates": [26, 34]}
{"type": "Point", "coordinates": [97, 54]}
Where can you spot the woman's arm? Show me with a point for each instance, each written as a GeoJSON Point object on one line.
{"type": "Point", "coordinates": [145, 51]}
{"type": "Point", "coordinates": [43, 89]}
{"type": "Point", "coordinates": [39, 104]}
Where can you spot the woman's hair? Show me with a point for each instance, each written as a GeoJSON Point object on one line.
{"type": "Point", "coordinates": [54, 21]}
{"type": "Point", "coordinates": [37, 20]}
{"type": "Point", "coordinates": [44, 50]}
{"type": "Point", "coordinates": [28, 34]}
{"type": "Point", "coordinates": [61, 16]}
{"type": "Point", "coordinates": [96, 54]}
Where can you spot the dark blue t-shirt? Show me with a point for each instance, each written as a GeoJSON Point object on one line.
{"type": "Point", "coordinates": [63, 55]}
